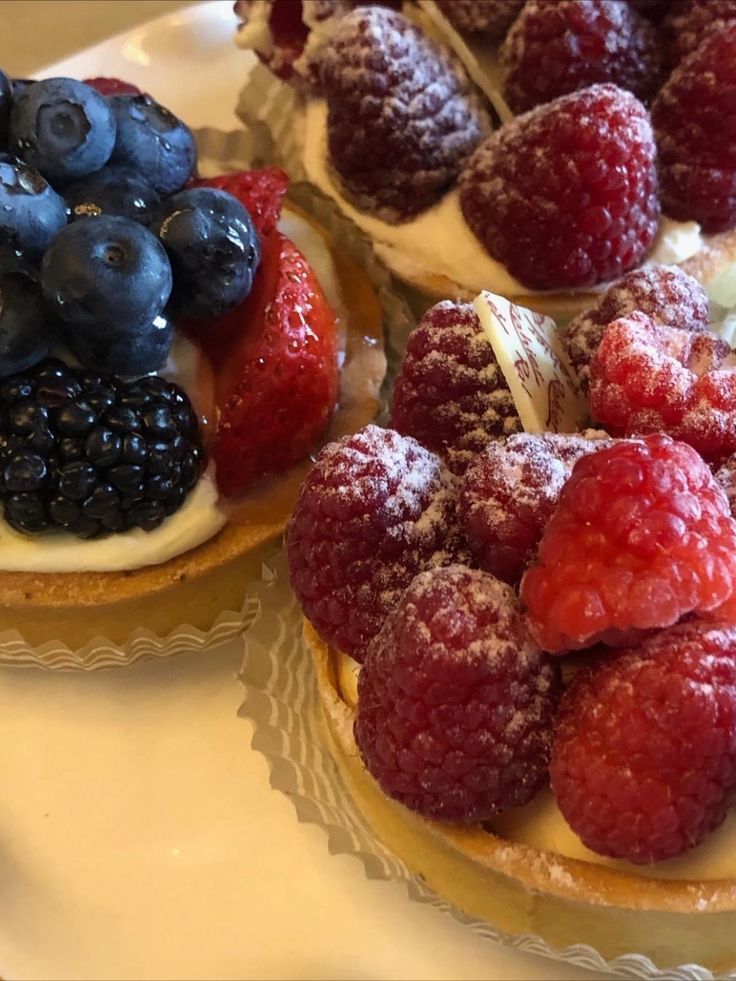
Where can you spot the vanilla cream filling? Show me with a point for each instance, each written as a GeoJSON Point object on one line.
{"type": "Point", "coordinates": [438, 242]}
{"type": "Point", "coordinates": [540, 824]}
{"type": "Point", "coordinates": [200, 518]}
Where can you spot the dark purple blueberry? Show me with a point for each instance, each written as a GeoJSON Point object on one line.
{"type": "Point", "coordinates": [31, 212]}
{"type": "Point", "coordinates": [109, 278]}
{"type": "Point", "coordinates": [153, 141]}
{"type": "Point", "coordinates": [28, 331]}
{"type": "Point", "coordinates": [213, 247]}
{"type": "Point", "coordinates": [148, 351]}
{"type": "Point", "coordinates": [63, 128]}
{"type": "Point", "coordinates": [114, 190]}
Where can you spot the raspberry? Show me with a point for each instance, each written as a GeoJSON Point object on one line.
{"type": "Point", "coordinates": [491, 18]}
{"type": "Point", "coordinates": [644, 758]}
{"type": "Point", "coordinates": [689, 24]}
{"type": "Point", "coordinates": [556, 48]}
{"type": "Point", "coordinates": [261, 192]}
{"type": "Point", "coordinates": [650, 378]}
{"type": "Point", "coordinates": [726, 477]}
{"type": "Point", "coordinates": [642, 535]}
{"type": "Point", "coordinates": [455, 702]}
{"type": "Point", "coordinates": [510, 491]}
{"type": "Point", "coordinates": [579, 224]}
{"type": "Point", "coordinates": [401, 118]}
{"type": "Point", "coordinates": [451, 394]}
{"type": "Point", "coordinates": [112, 86]}
{"type": "Point", "coordinates": [376, 509]}
{"type": "Point", "coordinates": [694, 119]}
{"type": "Point", "coordinates": [664, 293]}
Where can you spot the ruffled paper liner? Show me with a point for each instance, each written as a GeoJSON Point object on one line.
{"type": "Point", "coordinates": [220, 152]}
{"type": "Point", "coordinates": [282, 705]}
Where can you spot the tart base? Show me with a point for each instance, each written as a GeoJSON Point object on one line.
{"type": "Point", "coordinates": [522, 890]}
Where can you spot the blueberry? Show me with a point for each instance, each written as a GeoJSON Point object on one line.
{"type": "Point", "coordinates": [108, 278]}
{"type": "Point", "coordinates": [213, 247]}
{"type": "Point", "coordinates": [31, 212]}
{"type": "Point", "coordinates": [114, 190]}
{"type": "Point", "coordinates": [63, 128]}
{"type": "Point", "coordinates": [6, 104]}
{"type": "Point", "coordinates": [153, 141]}
{"type": "Point", "coordinates": [27, 328]}
{"type": "Point", "coordinates": [145, 352]}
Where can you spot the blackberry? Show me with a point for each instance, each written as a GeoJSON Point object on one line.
{"type": "Point", "coordinates": [93, 454]}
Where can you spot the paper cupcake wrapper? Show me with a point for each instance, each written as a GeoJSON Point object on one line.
{"type": "Point", "coordinates": [281, 702]}
{"type": "Point", "coordinates": [219, 152]}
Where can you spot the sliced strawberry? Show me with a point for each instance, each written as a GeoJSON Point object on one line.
{"type": "Point", "coordinates": [112, 86]}
{"type": "Point", "coordinates": [275, 361]}
{"type": "Point", "coordinates": [260, 191]}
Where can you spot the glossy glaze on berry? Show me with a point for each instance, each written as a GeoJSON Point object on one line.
{"type": "Point", "coordinates": [91, 454]}
{"type": "Point", "coordinates": [31, 212]}
{"type": "Point", "coordinates": [114, 190]}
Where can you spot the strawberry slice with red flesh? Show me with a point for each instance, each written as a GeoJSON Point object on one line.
{"type": "Point", "coordinates": [275, 361]}
{"type": "Point", "coordinates": [261, 192]}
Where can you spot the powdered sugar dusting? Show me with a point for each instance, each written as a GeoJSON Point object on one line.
{"type": "Point", "coordinates": [489, 18]}
{"type": "Point", "coordinates": [666, 294]}
{"type": "Point", "coordinates": [402, 118]}
{"type": "Point", "coordinates": [451, 394]}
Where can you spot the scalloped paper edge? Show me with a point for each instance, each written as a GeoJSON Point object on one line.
{"type": "Point", "coordinates": [281, 704]}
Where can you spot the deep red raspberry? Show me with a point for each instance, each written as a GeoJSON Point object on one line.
{"type": "Point", "coordinates": [455, 701]}
{"type": "Point", "coordinates": [450, 393]}
{"type": "Point", "coordinates": [402, 119]}
{"type": "Point", "coordinates": [556, 48]}
{"type": "Point", "coordinates": [260, 191]}
{"type": "Point", "coordinates": [644, 758]}
{"type": "Point", "coordinates": [642, 535]}
{"type": "Point", "coordinates": [579, 224]}
{"type": "Point", "coordinates": [650, 378]}
{"type": "Point", "coordinates": [694, 119]}
{"type": "Point", "coordinates": [664, 293]}
{"type": "Point", "coordinates": [112, 86]}
{"type": "Point", "coordinates": [688, 24]}
{"type": "Point", "coordinates": [490, 18]}
{"type": "Point", "coordinates": [510, 491]}
{"type": "Point", "coordinates": [376, 509]}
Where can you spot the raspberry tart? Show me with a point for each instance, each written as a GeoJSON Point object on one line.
{"type": "Point", "coordinates": [456, 192]}
{"type": "Point", "coordinates": [174, 349]}
{"type": "Point", "coordinates": [525, 644]}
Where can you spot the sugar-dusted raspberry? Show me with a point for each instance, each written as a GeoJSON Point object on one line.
{"type": "Point", "coordinates": [455, 702]}
{"type": "Point", "coordinates": [489, 18]}
{"type": "Point", "coordinates": [112, 86]}
{"type": "Point", "coordinates": [556, 48]}
{"type": "Point", "coordinates": [687, 25]}
{"type": "Point", "coordinates": [450, 393]}
{"type": "Point", "coordinates": [651, 378]}
{"type": "Point", "coordinates": [402, 119]}
{"type": "Point", "coordinates": [642, 535]}
{"type": "Point", "coordinates": [644, 758]}
{"type": "Point", "coordinates": [694, 119]}
{"type": "Point", "coordinates": [376, 509]}
{"type": "Point", "coordinates": [579, 224]}
{"type": "Point", "coordinates": [726, 477]}
{"type": "Point", "coordinates": [510, 491]}
{"type": "Point", "coordinates": [664, 293]}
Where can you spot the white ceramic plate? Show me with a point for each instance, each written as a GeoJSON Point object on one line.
{"type": "Point", "coordinates": [138, 834]}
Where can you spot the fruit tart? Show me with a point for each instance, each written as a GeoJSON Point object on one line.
{"type": "Point", "coordinates": [173, 351]}
{"type": "Point", "coordinates": [587, 158]}
{"type": "Point", "coordinates": [525, 641]}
